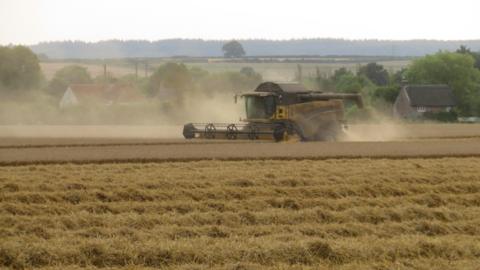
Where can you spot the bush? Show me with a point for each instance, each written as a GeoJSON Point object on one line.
{"type": "Point", "coordinates": [388, 93]}
{"type": "Point", "coordinates": [441, 116]}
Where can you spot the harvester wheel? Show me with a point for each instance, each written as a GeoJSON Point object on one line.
{"type": "Point", "coordinates": [232, 132]}
{"type": "Point", "coordinates": [253, 132]}
{"type": "Point", "coordinates": [210, 131]}
{"type": "Point", "coordinates": [189, 131]}
{"type": "Point", "coordinates": [279, 132]}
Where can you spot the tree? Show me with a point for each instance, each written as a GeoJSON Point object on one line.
{"type": "Point", "coordinates": [350, 83]}
{"type": "Point", "coordinates": [388, 93]}
{"type": "Point", "coordinates": [246, 79]}
{"type": "Point", "coordinates": [171, 76]}
{"type": "Point", "coordinates": [454, 69]}
{"type": "Point", "coordinates": [321, 82]}
{"type": "Point", "coordinates": [228, 82]}
{"type": "Point", "coordinates": [339, 73]}
{"type": "Point", "coordinates": [398, 77]}
{"type": "Point", "coordinates": [249, 71]}
{"type": "Point", "coordinates": [465, 50]}
{"type": "Point", "coordinates": [66, 76]}
{"type": "Point", "coordinates": [375, 73]}
{"type": "Point", "coordinates": [233, 49]}
{"type": "Point", "coordinates": [19, 68]}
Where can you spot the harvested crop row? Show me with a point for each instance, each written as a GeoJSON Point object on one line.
{"type": "Point", "coordinates": [12, 143]}
{"type": "Point", "coordinates": [42, 136]}
{"type": "Point", "coordinates": [348, 214]}
{"type": "Point", "coordinates": [239, 151]}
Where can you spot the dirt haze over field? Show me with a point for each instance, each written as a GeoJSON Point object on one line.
{"type": "Point", "coordinates": [379, 132]}
{"type": "Point", "coordinates": [218, 108]}
{"type": "Point", "coordinates": [41, 111]}
{"type": "Point", "coordinates": [386, 131]}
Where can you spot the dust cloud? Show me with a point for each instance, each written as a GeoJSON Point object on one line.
{"type": "Point", "coordinates": [379, 127]}
{"type": "Point", "coordinates": [40, 116]}
{"type": "Point", "coordinates": [91, 131]}
{"type": "Point", "coordinates": [220, 108]}
{"type": "Point", "coordinates": [385, 131]}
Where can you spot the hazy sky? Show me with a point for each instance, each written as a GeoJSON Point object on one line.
{"type": "Point", "coordinates": [31, 21]}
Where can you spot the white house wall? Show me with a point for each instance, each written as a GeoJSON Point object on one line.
{"type": "Point", "coordinates": [68, 99]}
{"type": "Point", "coordinates": [402, 107]}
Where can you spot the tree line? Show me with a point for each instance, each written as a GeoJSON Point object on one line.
{"type": "Point", "coordinates": [19, 69]}
{"type": "Point", "coordinates": [20, 73]}
{"type": "Point", "coordinates": [258, 47]}
{"type": "Point", "coordinates": [460, 70]}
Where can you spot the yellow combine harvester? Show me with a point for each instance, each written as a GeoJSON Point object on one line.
{"type": "Point", "coordinates": [279, 111]}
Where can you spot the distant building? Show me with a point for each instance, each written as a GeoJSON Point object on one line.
{"type": "Point", "coordinates": [415, 100]}
{"type": "Point", "coordinates": [100, 94]}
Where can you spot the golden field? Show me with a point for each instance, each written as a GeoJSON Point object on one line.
{"type": "Point", "coordinates": [297, 214]}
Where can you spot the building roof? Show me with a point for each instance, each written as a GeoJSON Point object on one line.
{"type": "Point", "coordinates": [282, 87]}
{"type": "Point", "coordinates": [89, 91]}
{"type": "Point", "coordinates": [435, 95]}
{"type": "Point", "coordinates": [126, 93]}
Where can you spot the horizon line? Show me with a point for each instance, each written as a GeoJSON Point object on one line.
{"type": "Point", "coordinates": [240, 40]}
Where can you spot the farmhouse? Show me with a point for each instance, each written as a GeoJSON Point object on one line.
{"type": "Point", "coordinates": [415, 100]}
{"type": "Point", "coordinates": [100, 94]}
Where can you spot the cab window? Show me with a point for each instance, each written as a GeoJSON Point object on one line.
{"type": "Point", "coordinates": [258, 107]}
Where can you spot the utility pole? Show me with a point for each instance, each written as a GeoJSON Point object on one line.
{"type": "Point", "coordinates": [104, 72]}
{"type": "Point", "coordinates": [299, 73]}
{"type": "Point", "coordinates": [136, 69]}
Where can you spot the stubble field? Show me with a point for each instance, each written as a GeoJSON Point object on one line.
{"type": "Point", "coordinates": [408, 202]}
{"type": "Point", "coordinates": [305, 214]}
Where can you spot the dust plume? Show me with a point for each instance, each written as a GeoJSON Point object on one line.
{"type": "Point", "coordinates": [218, 108]}
{"type": "Point", "coordinates": [384, 131]}
{"type": "Point", "coordinates": [379, 127]}
{"type": "Point", "coordinates": [91, 131]}
{"type": "Point", "coordinates": [40, 116]}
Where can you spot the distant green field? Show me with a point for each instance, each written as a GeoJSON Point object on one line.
{"type": "Point", "coordinates": [269, 71]}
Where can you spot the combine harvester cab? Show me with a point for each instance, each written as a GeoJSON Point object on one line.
{"type": "Point", "coordinates": [278, 111]}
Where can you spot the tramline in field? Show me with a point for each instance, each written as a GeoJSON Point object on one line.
{"type": "Point", "coordinates": [280, 110]}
